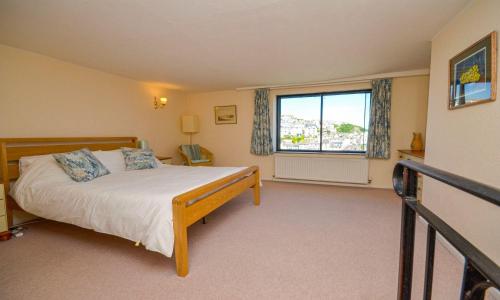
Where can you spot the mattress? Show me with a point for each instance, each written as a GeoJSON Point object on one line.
{"type": "Point", "coordinates": [135, 205]}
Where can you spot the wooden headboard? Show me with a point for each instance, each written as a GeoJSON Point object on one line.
{"type": "Point", "coordinates": [12, 149]}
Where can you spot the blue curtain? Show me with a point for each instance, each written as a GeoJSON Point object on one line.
{"type": "Point", "coordinates": [379, 132]}
{"type": "Point", "coordinates": [262, 143]}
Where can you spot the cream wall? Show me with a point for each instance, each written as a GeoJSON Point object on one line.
{"type": "Point", "coordinates": [41, 96]}
{"type": "Point", "coordinates": [231, 143]}
{"type": "Point", "coordinates": [464, 141]}
{"type": "Point", "coordinates": [45, 97]}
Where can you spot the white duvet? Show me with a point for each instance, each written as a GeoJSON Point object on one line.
{"type": "Point", "coordinates": [135, 205]}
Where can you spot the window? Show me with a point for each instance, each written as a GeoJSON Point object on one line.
{"type": "Point", "coordinates": [324, 122]}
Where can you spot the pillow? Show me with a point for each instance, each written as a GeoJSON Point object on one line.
{"type": "Point", "coordinates": [112, 160]}
{"type": "Point", "coordinates": [159, 164]}
{"type": "Point", "coordinates": [81, 165]}
{"type": "Point", "coordinates": [43, 171]}
{"type": "Point", "coordinates": [139, 159]}
{"type": "Point", "coordinates": [26, 161]}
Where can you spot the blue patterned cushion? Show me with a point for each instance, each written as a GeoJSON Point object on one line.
{"type": "Point", "coordinates": [81, 165]}
{"type": "Point", "coordinates": [139, 159]}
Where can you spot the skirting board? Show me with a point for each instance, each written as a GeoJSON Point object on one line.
{"type": "Point", "coordinates": [327, 183]}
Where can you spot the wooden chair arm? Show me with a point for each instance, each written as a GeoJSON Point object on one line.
{"type": "Point", "coordinates": [184, 156]}
{"type": "Point", "coordinates": [207, 154]}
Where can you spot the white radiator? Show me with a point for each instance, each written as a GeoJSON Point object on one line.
{"type": "Point", "coordinates": [321, 168]}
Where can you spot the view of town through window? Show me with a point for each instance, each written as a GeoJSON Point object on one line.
{"type": "Point", "coordinates": [344, 118]}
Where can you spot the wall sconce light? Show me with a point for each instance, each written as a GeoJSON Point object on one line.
{"type": "Point", "coordinates": [160, 102]}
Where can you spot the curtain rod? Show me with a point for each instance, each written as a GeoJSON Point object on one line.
{"type": "Point", "coordinates": [358, 79]}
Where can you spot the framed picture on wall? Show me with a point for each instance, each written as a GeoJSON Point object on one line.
{"type": "Point", "coordinates": [473, 74]}
{"type": "Point", "coordinates": [225, 114]}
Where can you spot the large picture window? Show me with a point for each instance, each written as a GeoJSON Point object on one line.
{"type": "Point", "coordinates": [324, 122]}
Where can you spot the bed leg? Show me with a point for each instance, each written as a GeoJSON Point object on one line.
{"type": "Point", "coordinates": [180, 240]}
{"type": "Point", "coordinates": [256, 189]}
{"type": "Point", "coordinates": [10, 217]}
{"type": "Point", "coordinates": [181, 252]}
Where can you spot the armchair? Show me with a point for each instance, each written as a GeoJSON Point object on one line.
{"type": "Point", "coordinates": [189, 154]}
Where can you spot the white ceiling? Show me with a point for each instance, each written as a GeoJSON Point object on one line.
{"type": "Point", "coordinates": [221, 44]}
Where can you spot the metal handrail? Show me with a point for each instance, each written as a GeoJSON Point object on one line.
{"type": "Point", "coordinates": [481, 190]}
{"type": "Point", "coordinates": [480, 272]}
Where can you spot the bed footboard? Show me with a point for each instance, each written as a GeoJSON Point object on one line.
{"type": "Point", "coordinates": [209, 197]}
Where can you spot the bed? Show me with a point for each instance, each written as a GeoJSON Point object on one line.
{"type": "Point", "coordinates": [153, 207]}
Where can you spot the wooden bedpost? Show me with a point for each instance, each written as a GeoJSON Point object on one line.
{"type": "Point", "coordinates": [184, 214]}
{"type": "Point", "coordinates": [256, 188]}
{"type": "Point", "coordinates": [4, 166]}
{"type": "Point", "coordinates": [180, 240]}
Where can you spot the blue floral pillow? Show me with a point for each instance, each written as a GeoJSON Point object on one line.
{"type": "Point", "coordinates": [81, 165]}
{"type": "Point", "coordinates": [139, 159]}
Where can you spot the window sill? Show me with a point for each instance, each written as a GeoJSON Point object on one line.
{"type": "Point", "coordinates": [321, 153]}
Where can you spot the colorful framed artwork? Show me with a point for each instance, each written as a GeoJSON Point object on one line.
{"type": "Point", "coordinates": [225, 114]}
{"type": "Point", "coordinates": [473, 74]}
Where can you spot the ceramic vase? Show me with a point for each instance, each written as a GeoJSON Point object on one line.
{"type": "Point", "coordinates": [416, 143]}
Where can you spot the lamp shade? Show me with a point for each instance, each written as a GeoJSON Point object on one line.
{"type": "Point", "coordinates": [190, 124]}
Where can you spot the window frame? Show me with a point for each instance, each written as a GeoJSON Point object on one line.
{"type": "Point", "coordinates": [321, 94]}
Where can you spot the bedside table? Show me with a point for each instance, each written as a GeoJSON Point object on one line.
{"type": "Point", "coordinates": [4, 228]}
{"type": "Point", "coordinates": [167, 160]}
{"type": "Point", "coordinates": [419, 157]}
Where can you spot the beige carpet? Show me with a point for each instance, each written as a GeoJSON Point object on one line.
{"type": "Point", "coordinates": [303, 242]}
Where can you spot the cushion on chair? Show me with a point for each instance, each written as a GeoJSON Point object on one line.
{"type": "Point", "coordinates": [192, 151]}
{"type": "Point", "coordinates": [197, 161]}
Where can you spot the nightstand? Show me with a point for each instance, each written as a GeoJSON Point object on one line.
{"type": "Point", "coordinates": [4, 228]}
{"type": "Point", "coordinates": [419, 157]}
{"type": "Point", "coordinates": [167, 160]}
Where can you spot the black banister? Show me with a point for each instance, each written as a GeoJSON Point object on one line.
{"type": "Point", "coordinates": [480, 272]}
{"type": "Point", "coordinates": [481, 190]}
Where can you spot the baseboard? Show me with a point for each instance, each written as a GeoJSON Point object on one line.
{"type": "Point", "coordinates": [449, 247]}
{"type": "Point", "coordinates": [361, 185]}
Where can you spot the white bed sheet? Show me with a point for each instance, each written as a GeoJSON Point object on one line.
{"type": "Point", "coordinates": [135, 205]}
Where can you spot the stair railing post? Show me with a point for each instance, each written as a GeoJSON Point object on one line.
{"type": "Point", "coordinates": [407, 235]}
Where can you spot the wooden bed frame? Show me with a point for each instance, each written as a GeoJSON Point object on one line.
{"type": "Point", "coordinates": [209, 197]}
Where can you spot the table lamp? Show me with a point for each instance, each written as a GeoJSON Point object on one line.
{"type": "Point", "coordinates": [190, 125]}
